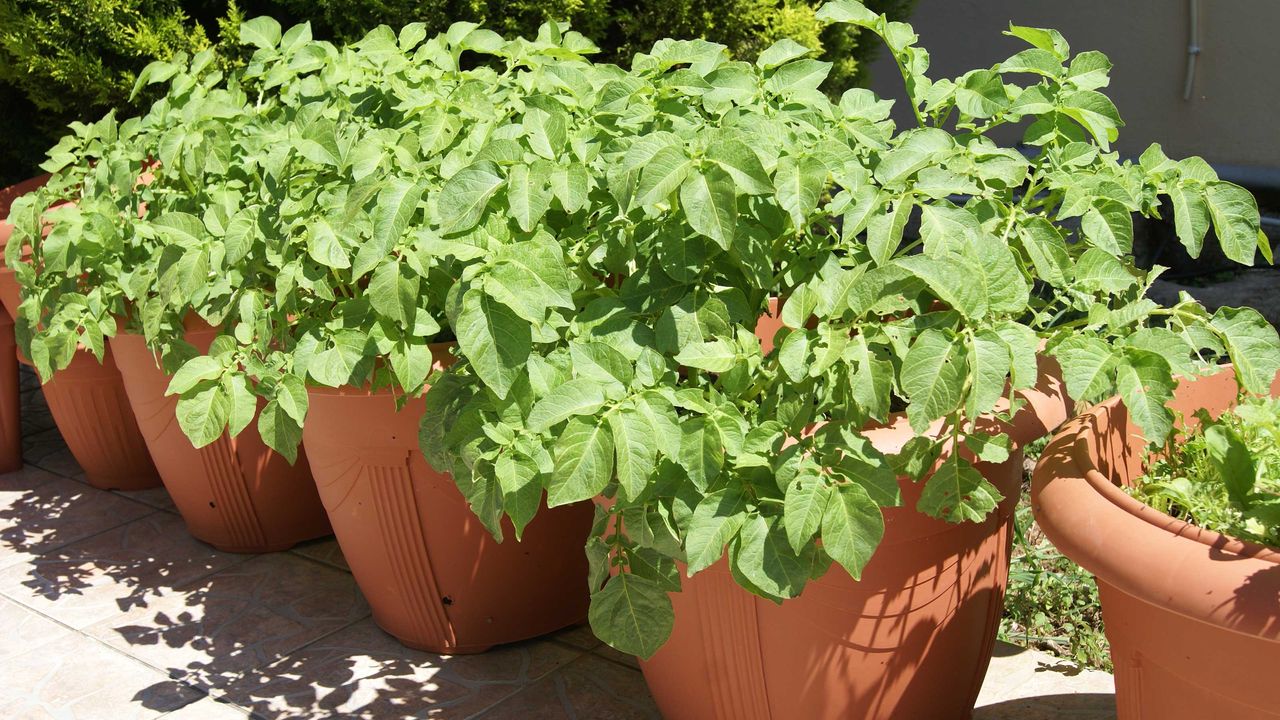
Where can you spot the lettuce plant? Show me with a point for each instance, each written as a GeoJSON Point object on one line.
{"type": "Point", "coordinates": [716, 186]}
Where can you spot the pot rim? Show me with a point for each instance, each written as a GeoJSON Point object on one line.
{"type": "Point", "coordinates": [1139, 550]}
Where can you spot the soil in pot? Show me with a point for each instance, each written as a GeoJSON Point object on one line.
{"type": "Point", "coordinates": [434, 576]}
{"type": "Point", "coordinates": [236, 493]}
{"type": "Point", "coordinates": [1193, 616]}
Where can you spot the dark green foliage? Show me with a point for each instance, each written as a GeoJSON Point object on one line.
{"type": "Point", "coordinates": [65, 60]}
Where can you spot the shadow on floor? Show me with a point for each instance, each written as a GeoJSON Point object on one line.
{"type": "Point", "coordinates": [1082, 706]}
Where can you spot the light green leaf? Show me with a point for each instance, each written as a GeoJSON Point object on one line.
{"type": "Point", "coordinates": [701, 451]}
{"type": "Point", "coordinates": [279, 431]}
{"type": "Point", "coordinates": [1108, 225]}
{"type": "Point", "coordinates": [715, 356]}
{"type": "Point", "coordinates": [632, 614]}
{"type": "Point", "coordinates": [521, 492]}
{"type": "Point", "coordinates": [203, 412]}
{"type": "Point", "coordinates": [715, 521]}
{"type": "Point", "coordinates": [494, 339]}
{"type": "Point", "coordinates": [243, 403]}
{"type": "Point", "coordinates": [291, 394]}
{"type": "Point", "coordinates": [1190, 216]}
{"type": "Point", "coordinates": [1253, 346]}
{"type": "Point", "coordinates": [662, 175]}
{"type": "Point", "coordinates": [933, 374]}
{"type": "Point", "coordinates": [261, 32]}
{"type": "Point", "coordinates": [1145, 383]}
{"type": "Point", "coordinates": [989, 363]}
{"type": "Point", "coordinates": [528, 194]}
{"type": "Point", "coordinates": [798, 185]}
{"type": "Point", "coordinates": [805, 506]}
{"type": "Point", "coordinates": [583, 462]}
{"type": "Point", "coordinates": [710, 204]}
{"type": "Point", "coordinates": [193, 372]}
{"type": "Point", "coordinates": [1088, 365]}
{"type": "Point", "coordinates": [762, 554]}
{"type": "Point", "coordinates": [465, 196]}
{"type": "Point", "coordinates": [580, 396]}
{"type": "Point", "coordinates": [1235, 220]}
{"type": "Point", "coordinates": [743, 165]}
{"type": "Point", "coordinates": [852, 527]}
{"type": "Point", "coordinates": [957, 492]}
{"type": "Point", "coordinates": [324, 247]}
{"type": "Point", "coordinates": [780, 53]}
{"type": "Point", "coordinates": [637, 451]}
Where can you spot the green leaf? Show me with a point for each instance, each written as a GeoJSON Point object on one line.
{"type": "Point", "coordinates": [494, 339]}
{"type": "Point", "coordinates": [547, 132]}
{"type": "Point", "coordinates": [580, 396]}
{"type": "Point", "coordinates": [715, 521]}
{"type": "Point", "coordinates": [203, 413]}
{"type": "Point", "coordinates": [847, 11]}
{"type": "Point", "coordinates": [1232, 461]}
{"type": "Point", "coordinates": [780, 53]}
{"type": "Point", "coordinates": [193, 372]}
{"type": "Point", "coordinates": [1022, 343]}
{"type": "Point", "coordinates": [632, 614]}
{"type": "Point", "coordinates": [989, 363]}
{"type": "Point", "coordinates": [528, 194]}
{"type": "Point", "coordinates": [393, 292]}
{"type": "Point", "coordinates": [798, 185]}
{"type": "Point", "coordinates": [1235, 220]}
{"type": "Point", "coordinates": [1099, 270]}
{"type": "Point", "coordinates": [1146, 384]}
{"type": "Point", "coordinates": [981, 94]}
{"type": "Point", "coordinates": [570, 184]}
{"type": "Point", "coordinates": [1190, 217]}
{"type": "Point", "coordinates": [1252, 344]}
{"type": "Point", "coordinates": [465, 196]}
{"type": "Point", "coordinates": [583, 462]}
{"type": "Point", "coordinates": [1096, 113]}
{"type": "Point", "coordinates": [1089, 70]}
{"type": "Point", "coordinates": [917, 149]}
{"type": "Point", "coordinates": [1046, 39]}
{"type": "Point", "coordinates": [243, 403]}
{"type": "Point", "coordinates": [715, 356]}
{"type": "Point", "coordinates": [711, 205]}
{"type": "Point", "coordinates": [324, 247]}
{"type": "Point", "coordinates": [933, 375]}
{"type": "Point", "coordinates": [743, 165]}
{"type": "Point", "coordinates": [637, 451]}
{"type": "Point", "coordinates": [662, 175]}
{"type": "Point", "coordinates": [798, 75]}
{"type": "Point", "coordinates": [261, 32]}
{"type": "Point", "coordinates": [852, 528]}
{"type": "Point", "coordinates": [762, 554]}
{"type": "Point", "coordinates": [521, 492]}
{"type": "Point", "coordinates": [805, 506]}
{"type": "Point", "coordinates": [1109, 225]}
{"type": "Point", "coordinates": [1047, 250]}
{"type": "Point", "coordinates": [884, 231]}
{"type": "Point", "coordinates": [951, 278]}
{"type": "Point", "coordinates": [1088, 364]}
{"type": "Point", "coordinates": [279, 431]}
{"type": "Point", "coordinates": [291, 395]}
{"type": "Point", "coordinates": [701, 451]}
{"type": "Point", "coordinates": [958, 492]}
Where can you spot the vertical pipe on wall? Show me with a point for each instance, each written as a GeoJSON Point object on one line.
{"type": "Point", "coordinates": [1193, 46]}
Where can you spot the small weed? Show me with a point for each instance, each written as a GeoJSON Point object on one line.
{"type": "Point", "coordinates": [1051, 603]}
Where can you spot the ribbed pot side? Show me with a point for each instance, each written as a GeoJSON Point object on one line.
{"type": "Point", "coordinates": [236, 493]}
{"type": "Point", "coordinates": [433, 575]}
{"type": "Point", "coordinates": [911, 640]}
{"type": "Point", "coordinates": [1193, 616]}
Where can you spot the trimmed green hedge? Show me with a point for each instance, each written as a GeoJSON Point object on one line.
{"type": "Point", "coordinates": [65, 60]}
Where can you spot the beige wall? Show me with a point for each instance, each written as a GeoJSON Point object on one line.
{"type": "Point", "coordinates": [1233, 116]}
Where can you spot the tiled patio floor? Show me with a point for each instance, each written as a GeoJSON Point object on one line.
{"type": "Point", "coordinates": [110, 611]}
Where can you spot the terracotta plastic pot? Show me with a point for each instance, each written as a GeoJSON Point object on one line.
{"type": "Point", "coordinates": [10, 400]}
{"type": "Point", "coordinates": [236, 494]}
{"type": "Point", "coordinates": [434, 577]}
{"type": "Point", "coordinates": [910, 641]}
{"type": "Point", "coordinates": [1193, 616]}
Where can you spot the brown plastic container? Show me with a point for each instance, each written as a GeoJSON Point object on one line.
{"type": "Point", "coordinates": [10, 400]}
{"type": "Point", "coordinates": [910, 641]}
{"type": "Point", "coordinates": [1193, 616]}
{"type": "Point", "coordinates": [236, 493]}
{"type": "Point", "coordinates": [434, 577]}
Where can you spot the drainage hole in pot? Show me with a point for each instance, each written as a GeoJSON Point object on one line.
{"type": "Point", "coordinates": [446, 600]}
{"type": "Point", "coordinates": [212, 505]}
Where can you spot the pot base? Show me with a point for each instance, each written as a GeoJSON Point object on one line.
{"type": "Point", "coordinates": [433, 575]}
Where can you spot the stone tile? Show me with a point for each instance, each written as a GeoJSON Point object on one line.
{"type": "Point", "coordinates": [77, 678]}
{"type": "Point", "coordinates": [362, 673]}
{"type": "Point", "coordinates": [591, 688]}
{"type": "Point", "coordinates": [608, 653]}
{"type": "Point", "coordinates": [579, 636]}
{"type": "Point", "coordinates": [209, 631]}
{"type": "Point", "coordinates": [113, 572]}
{"type": "Point", "coordinates": [47, 450]}
{"type": "Point", "coordinates": [40, 511]}
{"type": "Point", "coordinates": [208, 709]}
{"type": "Point", "coordinates": [324, 550]}
{"type": "Point", "coordinates": [24, 630]}
{"type": "Point", "coordinates": [1026, 684]}
{"type": "Point", "coordinates": [156, 497]}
